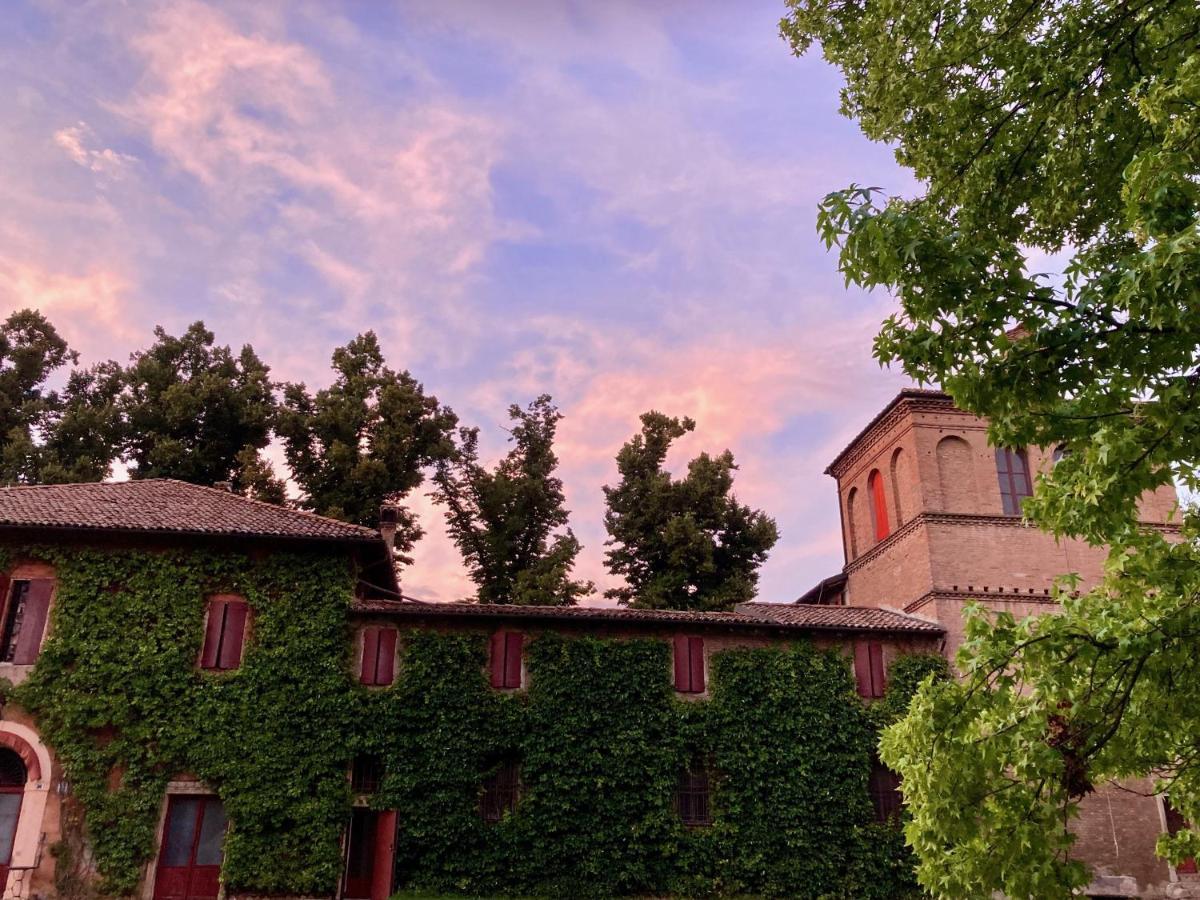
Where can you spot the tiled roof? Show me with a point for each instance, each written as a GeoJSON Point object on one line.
{"type": "Point", "coordinates": [164, 506]}
{"type": "Point", "coordinates": [747, 615]}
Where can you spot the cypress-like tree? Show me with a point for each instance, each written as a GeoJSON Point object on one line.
{"type": "Point", "coordinates": [506, 521]}
{"type": "Point", "coordinates": [681, 543]}
{"type": "Point", "coordinates": [364, 440]}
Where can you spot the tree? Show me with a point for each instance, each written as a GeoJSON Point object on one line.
{"type": "Point", "coordinates": [31, 350]}
{"type": "Point", "coordinates": [505, 521]}
{"type": "Point", "coordinates": [84, 428]}
{"type": "Point", "coordinates": [195, 411]}
{"type": "Point", "coordinates": [365, 440]}
{"type": "Point", "coordinates": [681, 544]}
{"type": "Point", "coordinates": [1068, 130]}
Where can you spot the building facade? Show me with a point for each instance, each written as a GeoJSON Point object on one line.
{"type": "Point", "coordinates": [209, 696]}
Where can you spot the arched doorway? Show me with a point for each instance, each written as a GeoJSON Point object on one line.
{"type": "Point", "coordinates": [13, 776]}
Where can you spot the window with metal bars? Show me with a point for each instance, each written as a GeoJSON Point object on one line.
{"type": "Point", "coordinates": [501, 792]}
{"type": "Point", "coordinates": [692, 795]}
{"type": "Point", "coordinates": [1012, 470]}
{"type": "Point", "coordinates": [884, 787]}
{"type": "Point", "coordinates": [366, 774]}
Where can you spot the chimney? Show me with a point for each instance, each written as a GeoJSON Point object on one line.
{"type": "Point", "coordinates": [226, 486]}
{"type": "Point", "coordinates": [389, 519]}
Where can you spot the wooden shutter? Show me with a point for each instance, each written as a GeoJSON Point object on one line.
{"type": "Point", "coordinates": [33, 621]}
{"type": "Point", "coordinates": [212, 634]}
{"type": "Point", "coordinates": [370, 655]}
{"type": "Point", "coordinates": [230, 656]}
{"type": "Point", "coordinates": [683, 669]}
{"type": "Point", "coordinates": [862, 669]}
{"type": "Point", "coordinates": [513, 644]}
{"type": "Point", "coordinates": [497, 659]}
{"type": "Point", "coordinates": [879, 513]}
{"type": "Point", "coordinates": [696, 660]}
{"type": "Point", "coordinates": [385, 665]}
{"type": "Point", "coordinates": [875, 657]}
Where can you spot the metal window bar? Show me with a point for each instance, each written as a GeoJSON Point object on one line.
{"type": "Point", "coordinates": [692, 797]}
{"type": "Point", "coordinates": [501, 792]}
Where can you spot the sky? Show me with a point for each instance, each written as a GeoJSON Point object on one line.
{"type": "Point", "coordinates": [611, 202]}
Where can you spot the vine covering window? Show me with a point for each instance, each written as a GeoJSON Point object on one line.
{"type": "Point", "coordinates": [501, 791]}
{"type": "Point", "coordinates": [1012, 469]}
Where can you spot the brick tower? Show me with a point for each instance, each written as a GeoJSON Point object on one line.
{"type": "Point", "coordinates": [931, 521]}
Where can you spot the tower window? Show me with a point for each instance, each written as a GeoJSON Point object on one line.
{"type": "Point", "coordinates": [1012, 469]}
{"type": "Point", "coordinates": [879, 515]}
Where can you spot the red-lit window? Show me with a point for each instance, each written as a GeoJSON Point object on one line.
{"type": "Point", "coordinates": [26, 607]}
{"type": "Point", "coordinates": [884, 787]}
{"type": "Point", "coordinates": [868, 668]}
{"type": "Point", "coordinates": [224, 633]}
{"type": "Point", "coordinates": [1175, 824]}
{"type": "Point", "coordinates": [501, 792]}
{"type": "Point", "coordinates": [507, 647]}
{"type": "Point", "coordinates": [689, 664]}
{"type": "Point", "coordinates": [1012, 469]}
{"type": "Point", "coordinates": [378, 656]}
{"type": "Point", "coordinates": [692, 796]}
{"type": "Point", "coordinates": [879, 515]}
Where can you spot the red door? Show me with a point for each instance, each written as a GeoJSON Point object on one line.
{"type": "Point", "coordinates": [189, 864]}
{"type": "Point", "coordinates": [370, 852]}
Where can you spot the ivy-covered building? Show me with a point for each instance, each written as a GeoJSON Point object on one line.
{"type": "Point", "coordinates": [209, 695]}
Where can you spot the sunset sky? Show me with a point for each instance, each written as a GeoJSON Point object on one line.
{"type": "Point", "coordinates": [610, 202]}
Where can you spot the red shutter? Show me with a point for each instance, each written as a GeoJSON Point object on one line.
{"type": "Point", "coordinates": [875, 654]}
{"type": "Point", "coordinates": [235, 634]}
{"type": "Point", "coordinates": [370, 655]}
{"type": "Point", "coordinates": [683, 669]}
{"type": "Point", "coordinates": [879, 506]}
{"type": "Point", "coordinates": [385, 667]}
{"type": "Point", "coordinates": [212, 634]}
{"type": "Point", "coordinates": [384, 849]}
{"type": "Point", "coordinates": [33, 623]}
{"type": "Point", "coordinates": [862, 669]}
{"type": "Point", "coordinates": [513, 643]}
{"type": "Point", "coordinates": [5, 584]}
{"type": "Point", "coordinates": [497, 660]}
{"type": "Point", "coordinates": [696, 657]}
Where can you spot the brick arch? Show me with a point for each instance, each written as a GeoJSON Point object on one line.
{"type": "Point", "coordinates": [956, 475]}
{"type": "Point", "coordinates": [898, 470]}
{"type": "Point", "coordinates": [33, 767]}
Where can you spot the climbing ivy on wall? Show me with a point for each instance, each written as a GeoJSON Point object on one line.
{"type": "Point", "coordinates": [600, 735]}
{"type": "Point", "coordinates": [117, 695]}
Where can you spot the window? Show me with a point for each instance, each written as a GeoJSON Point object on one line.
{"type": "Point", "coordinates": [189, 863]}
{"type": "Point", "coordinates": [366, 774]}
{"type": "Point", "coordinates": [879, 516]}
{"type": "Point", "coordinates": [1012, 468]}
{"type": "Point", "coordinates": [689, 664]}
{"type": "Point", "coordinates": [501, 792]}
{"type": "Point", "coordinates": [12, 788]}
{"type": "Point", "coordinates": [378, 656]}
{"type": "Point", "coordinates": [884, 787]}
{"type": "Point", "coordinates": [224, 633]}
{"type": "Point", "coordinates": [868, 668]}
{"type": "Point", "coordinates": [692, 796]}
{"type": "Point", "coordinates": [1059, 452]}
{"type": "Point", "coordinates": [26, 607]}
{"type": "Point", "coordinates": [1175, 824]}
{"type": "Point", "coordinates": [506, 659]}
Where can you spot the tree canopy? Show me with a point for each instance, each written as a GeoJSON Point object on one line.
{"type": "Point", "coordinates": [364, 440]}
{"type": "Point", "coordinates": [509, 522]}
{"type": "Point", "coordinates": [681, 543]}
{"type": "Point", "coordinates": [1044, 136]}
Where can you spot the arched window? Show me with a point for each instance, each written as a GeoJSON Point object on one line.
{"type": "Point", "coordinates": [12, 787]}
{"type": "Point", "coordinates": [879, 517]}
{"type": "Point", "coordinates": [1012, 469]}
{"type": "Point", "coordinates": [853, 515]}
{"type": "Point", "coordinates": [899, 473]}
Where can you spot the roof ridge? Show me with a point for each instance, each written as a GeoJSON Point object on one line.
{"type": "Point", "coordinates": [274, 507]}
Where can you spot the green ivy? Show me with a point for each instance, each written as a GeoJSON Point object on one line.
{"type": "Point", "coordinates": [600, 735]}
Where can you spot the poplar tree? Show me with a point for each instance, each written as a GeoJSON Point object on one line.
{"type": "Point", "coordinates": [365, 440]}
{"type": "Point", "coordinates": [681, 543]}
{"type": "Point", "coordinates": [1038, 131]}
{"type": "Point", "coordinates": [511, 522]}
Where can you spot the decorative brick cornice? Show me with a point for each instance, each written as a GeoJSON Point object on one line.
{"type": "Point", "coordinates": [903, 404]}
{"type": "Point", "coordinates": [988, 595]}
{"type": "Point", "coordinates": [970, 520]}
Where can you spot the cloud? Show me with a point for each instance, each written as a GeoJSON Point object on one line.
{"type": "Point", "coordinates": [74, 139]}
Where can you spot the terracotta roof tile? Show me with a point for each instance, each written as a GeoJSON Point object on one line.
{"type": "Point", "coordinates": [165, 506]}
{"type": "Point", "coordinates": [753, 615]}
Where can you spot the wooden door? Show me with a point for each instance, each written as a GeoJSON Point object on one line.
{"type": "Point", "coordinates": [189, 863]}
{"type": "Point", "coordinates": [370, 852]}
